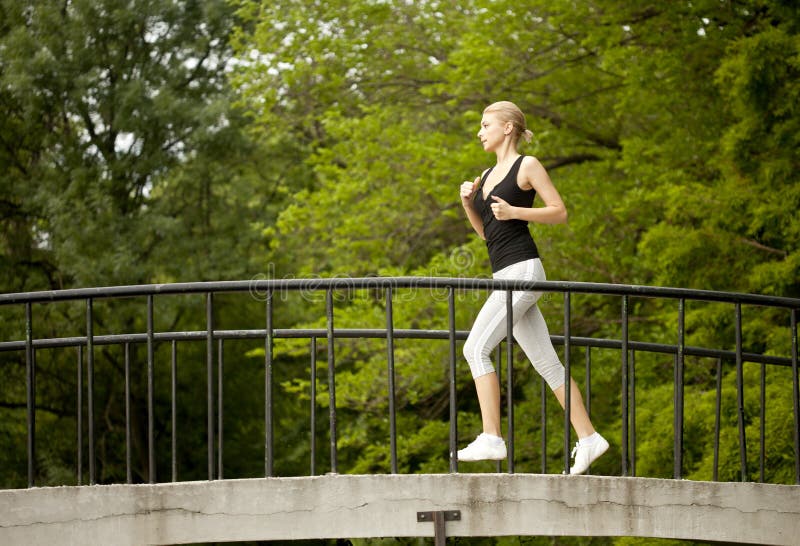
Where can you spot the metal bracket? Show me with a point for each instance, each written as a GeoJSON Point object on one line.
{"type": "Point", "coordinates": [438, 518]}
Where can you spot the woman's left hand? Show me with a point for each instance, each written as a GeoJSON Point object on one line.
{"type": "Point", "coordinates": [501, 209]}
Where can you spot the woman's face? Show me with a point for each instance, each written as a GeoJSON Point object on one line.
{"type": "Point", "coordinates": [493, 131]}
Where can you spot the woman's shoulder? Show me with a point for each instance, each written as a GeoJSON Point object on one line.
{"type": "Point", "coordinates": [530, 161]}
{"type": "Point", "coordinates": [529, 168]}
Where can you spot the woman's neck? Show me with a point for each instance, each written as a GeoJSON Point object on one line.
{"type": "Point", "coordinates": [507, 152]}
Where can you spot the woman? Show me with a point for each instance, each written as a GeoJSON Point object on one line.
{"type": "Point", "coordinates": [498, 204]}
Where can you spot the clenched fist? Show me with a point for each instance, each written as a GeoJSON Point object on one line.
{"type": "Point", "coordinates": [501, 209]}
{"type": "Point", "coordinates": [468, 189]}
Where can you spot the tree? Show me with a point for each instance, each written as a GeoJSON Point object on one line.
{"type": "Point", "coordinates": [670, 131]}
{"type": "Point", "coordinates": [628, 104]}
{"type": "Point", "coordinates": [123, 161]}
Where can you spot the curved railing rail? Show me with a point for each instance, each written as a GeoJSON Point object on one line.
{"type": "Point", "coordinates": [445, 287]}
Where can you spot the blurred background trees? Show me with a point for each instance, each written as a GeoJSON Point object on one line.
{"type": "Point", "coordinates": [147, 141]}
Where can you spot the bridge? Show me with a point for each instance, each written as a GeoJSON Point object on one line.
{"type": "Point", "coordinates": [508, 499]}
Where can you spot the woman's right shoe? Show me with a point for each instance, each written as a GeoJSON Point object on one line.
{"type": "Point", "coordinates": [586, 454]}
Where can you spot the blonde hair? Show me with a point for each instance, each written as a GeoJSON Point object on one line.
{"type": "Point", "coordinates": [507, 111]}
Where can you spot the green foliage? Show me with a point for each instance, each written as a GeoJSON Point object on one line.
{"type": "Point", "coordinates": [123, 161]}
{"type": "Point", "coordinates": [150, 141]}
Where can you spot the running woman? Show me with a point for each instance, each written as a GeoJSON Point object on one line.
{"type": "Point", "coordinates": [499, 205]}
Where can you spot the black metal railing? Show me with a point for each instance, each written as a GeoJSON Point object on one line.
{"type": "Point", "coordinates": [88, 344]}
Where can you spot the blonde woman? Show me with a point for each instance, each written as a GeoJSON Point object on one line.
{"type": "Point", "coordinates": [499, 205]}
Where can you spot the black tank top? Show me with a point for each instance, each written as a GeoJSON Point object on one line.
{"type": "Point", "coordinates": [508, 241]}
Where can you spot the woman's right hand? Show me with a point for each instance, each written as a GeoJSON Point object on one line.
{"type": "Point", "coordinates": [468, 190]}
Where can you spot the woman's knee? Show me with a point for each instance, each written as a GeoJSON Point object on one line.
{"type": "Point", "coordinates": [477, 357]}
{"type": "Point", "coordinates": [468, 349]}
{"type": "Point", "coordinates": [552, 372]}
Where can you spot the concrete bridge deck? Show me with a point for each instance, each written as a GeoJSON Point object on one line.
{"type": "Point", "coordinates": [352, 506]}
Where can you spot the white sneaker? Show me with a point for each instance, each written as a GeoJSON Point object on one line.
{"type": "Point", "coordinates": [484, 448]}
{"type": "Point", "coordinates": [585, 455]}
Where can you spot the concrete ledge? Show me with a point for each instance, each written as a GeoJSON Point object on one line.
{"type": "Point", "coordinates": [351, 506]}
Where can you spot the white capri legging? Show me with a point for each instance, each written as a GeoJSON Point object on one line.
{"type": "Point", "coordinates": [530, 329]}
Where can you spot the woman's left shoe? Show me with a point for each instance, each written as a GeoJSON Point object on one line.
{"type": "Point", "coordinates": [484, 448]}
{"type": "Point", "coordinates": [585, 454]}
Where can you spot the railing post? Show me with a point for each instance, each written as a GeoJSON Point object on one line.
{"type": "Point", "coordinates": [331, 380]}
{"type": "Point", "coordinates": [269, 431]}
{"type": "Point", "coordinates": [30, 378]}
{"type": "Point", "coordinates": [313, 409]}
{"type": "Point", "coordinates": [795, 399]}
{"type": "Point", "coordinates": [210, 382]}
{"type": "Point", "coordinates": [588, 387]}
{"type": "Point", "coordinates": [510, 377]}
{"type": "Point", "coordinates": [451, 327]}
{"type": "Point", "coordinates": [79, 411]}
{"type": "Point", "coordinates": [678, 391]}
{"type": "Point", "coordinates": [632, 377]}
{"type": "Point", "coordinates": [588, 371]}
{"type": "Point", "coordinates": [717, 408]}
{"type": "Point", "coordinates": [762, 422]}
{"type": "Point", "coordinates": [567, 379]}
{"type": "Point", "coordinates": [391, 386]}
{"type": "Point", "coordinates": [128, 469]}
{"type": "Point", "coordinates": [220, 406]}
{"type": "Point", "coordinates": [151, 447]}
{"type": "Point", "coordinates": [624, 389]}
{"type": "Point", "coordinates": [499, 369]}
{"type": "Point", "coordinates": [740, 392]}
{"type": "Point", "coordinates": [543, 393]}
{"type": "Point", "coordinates": [90, 385]}
{"type": "Point", "coordinates": [174, 409]}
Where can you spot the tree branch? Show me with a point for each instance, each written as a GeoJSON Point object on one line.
{"type": "Point", "coordinates": [765, 248]}
{"type": "Point", "coordinates": [557, 162]}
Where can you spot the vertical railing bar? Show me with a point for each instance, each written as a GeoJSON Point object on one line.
{"type": "Point", "coordinates": [269, 425]}
{"type": "Point", "coordinates": [210, 383]}
{"type": "Point", "coordinates": [173, 395]}
{"type": "Point", "coordinates": [128, 453]}
{"type": "Point", "coordinates": [740, 392]}
{"type": "Point", "coordinates": [331, 380]}
{"type": "Point", "coordinates": [499, 369]}
{"type": "Point", "coordinates": [390, 371]}
{"type": "Point", "coordinates": [624, 389]}
{"type": "Point", "coordinates": [633, 411]}
{"type": "Point", "coordinates": [151, 444]}
{"type": "Point", "coordinates": [30, 375]}
{"type": "Point", "coordinates": [451, 327]}
{"type": "Point", "coordinates": [762, 419]}
{"type": "Point", "coordinates": [510, 377]}
{"type": "Point", "coordinates": [717, 412]}
{"type": "Point", "coordinates": [795, 398]}
{"type": "Point", "coordinates": [313, 406]}
{"type": "Point", "coordinates": [588, 387]}
{"type": "Point", "coordinates": [543, 391]}
{"type": "Point", "coordinates": [90, 385]}
{"type": "Point", "coordinates": [567, 379]}
{"type": "Point", "coordinates": [220, 406]}
{"type": "Point", "coordinates": [79, 404]}
{"type": "Point", "coordinates": [678, 392]}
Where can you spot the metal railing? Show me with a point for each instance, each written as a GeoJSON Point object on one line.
{"type": "Point", "coordinates": [88, 344]}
